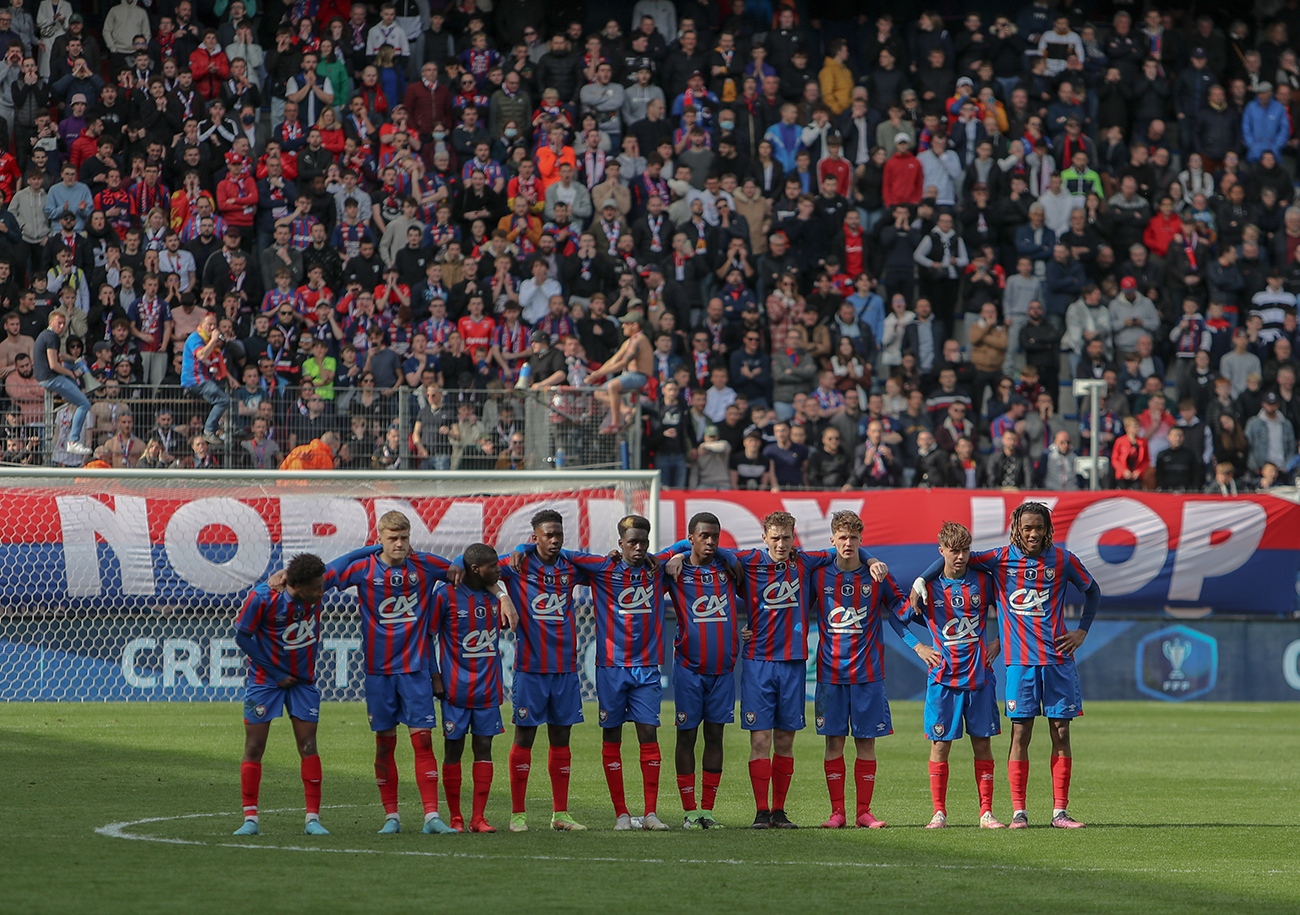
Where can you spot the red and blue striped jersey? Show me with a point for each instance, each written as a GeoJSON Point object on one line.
{"type": "Point", "coordinates": [395, 605]}
{"type": "Point", "coordinates": [956, 613]}
{"type": "Point", "coordinates": [285, 632]}
{"type": "Point", "coordinates": [706, 605]}
{"type": "Point", "coordinates": [1030, 593]}
{"type": "Point", "coordinates": [629, 606]}
{"type": "Point", "coordinates": [465, 622]}
{"type": "Point", "coordinates": [774, 600]}
{"type": "Point", "coordinates": [546, 640]}
{"type": "Point", "coordinates": [850, 648]}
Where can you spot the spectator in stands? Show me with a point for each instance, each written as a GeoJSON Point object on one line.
{"type": "Point", "coordinates": [1130, 457]}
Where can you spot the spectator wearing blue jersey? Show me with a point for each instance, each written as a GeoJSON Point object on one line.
{"type": "Point", "coordinates": [198, 377]}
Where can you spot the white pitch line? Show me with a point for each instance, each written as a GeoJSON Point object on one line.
{"type": "Point", "coordinates": [120, 831]}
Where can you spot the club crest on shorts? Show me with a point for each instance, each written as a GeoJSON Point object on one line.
{"type": "Point", "coordinates": [681, 717]}
{"type": "Point", "coordinates": [370, 718]}
{"type": "Point", "coordinates": [449, 726]}
{"type": "Point", "coordinates": [603, 715]}
{"type": "Point", "coordinates": [522, 713]}
{"type": "Point", "coordinates": [1011, 705]}
{"type": "Point", "coordinates": [938, 730]}
{"type": "Point", "coordinates": [750, 718]}
{"type": "Point", "coordinates": [821, 721]}
{"type": "Point", "coordinates": [260, 711]}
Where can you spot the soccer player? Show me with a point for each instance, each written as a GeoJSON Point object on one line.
{"type": "Point", "coordinates": [704, 661]}
{"type": "Point", "coordinates": [464, 618]}
{"type": "Point", "coordinates": [962, 688]}
{"type": "Point", "coordinates": [279, 631]}
{"type": "Point", "coordinates": [628, 597]}
{"type": "Point", "coordinates": [1029, 579]}
{"type": "Point", "coordinates": [546, 687]}
{"type": "Point", "coordinates": [395, 590]}
{"type": "Point", "coordinates": [772, 690]}
{"type": "Point", "coordinates": [850, 666]}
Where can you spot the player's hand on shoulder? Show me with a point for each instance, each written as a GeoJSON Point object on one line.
{"type": "Point", "coordinates": [439, 690]}
{"type": "Point", "coordinates": [277, 580]}
{"type": "Point", "coordinates": [455, 575]}
{"type": "Point", "coordinates": [673, 567]}
{"type": "Point", "coordinates": [509, 615]}
{"type": "Point", "coordinates": [652, 561]}
{"type": "Point", "coordinates": [879, 571]}
{"type": "Point", "coordinates": [516, 561]}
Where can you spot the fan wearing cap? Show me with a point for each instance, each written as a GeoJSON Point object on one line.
{"type": "Point", "coordinates": [629, 370]}
{"type": "Point", "coordinates": [237, 197]}
{"type": "Point", "coordinates": [1191, 94]}
{"type": "Point", "coordinates": [903, 175]}
{"type": "Point", "coordinates": [1265, 125]}
{"type": "Point", "coordinates": [1270, 436]}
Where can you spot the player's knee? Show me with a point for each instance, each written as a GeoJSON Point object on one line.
{"type": "Point", "coordinates": [422, 739]}
{"type": "Point", "coordinates": [253, 750]}
{"type": "Point", "coordinates": [557, 735]}
{"type": "Point", "coordinates": [524, 737]}
{"type": "Point", "coordinates": [647, 733]}
{"type": "Point", "coordinates": [307, 746]}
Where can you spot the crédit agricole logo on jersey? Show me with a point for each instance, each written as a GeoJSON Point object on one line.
{"type": "Point", "coordinates": [298, 635]}
{"type": "Point", "coordinates": [781, 595]}
{"type": "Point", "coordinates": [711, 608]}
{"type": "Point", "coordinates": [1032, 601]}
{"type": "Point", "coordinates": [961, 630]}
{"type": "Point", "coordinates": [398, 610]}
{"type": "Point", "coordinates": [479, 643]}
{"type": "Point", "coordinates": [548, 608]}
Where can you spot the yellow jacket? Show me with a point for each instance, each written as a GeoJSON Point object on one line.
{"type": "Point", "coordinates": [837, 85]}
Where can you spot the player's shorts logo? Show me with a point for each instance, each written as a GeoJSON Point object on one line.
{"type": "Point", "coordinates": [370, 718]}
{"type": "Point", "coordinates": [750, 718]}
{"type": "Point", "coordinates": [821, 721]}
{"type": "Point", "coordinates": [1011, 705]}
{"type": "Point", "coordinates": [259, 712]}
{"type": "Point", "coordinates": [522, 713]}
{"type": "Point", "coordinates": [681, 717]}
{"type": "Point", "coordinates": [449, 726]}
{"type": "Point", "coordinates": [938, 730]}
{"type": "Point", "coordinates": [604, 715]}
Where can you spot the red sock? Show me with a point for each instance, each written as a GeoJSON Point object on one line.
{"type": "Point", "coordinates": [386, 772]}
{"type": "Point", "coordinates": [835, 782]}
{"type": "Point", "coordinates": [482, 785]}
{"type": "Point", "coordinates": [426, 769]}
{"type": "Point", "coordinates": [250, 779]}
{"type": "Point", "coordinates": [686, 788]}
{"type": "Point", "coordinates": [864, 775]}
{"type": "Point", "coordinates": [521, 760]}
{"type": "Point", "coordinates": [939, 786]}
{"type": "Point", "coordinates": [559, 762]}
{"type": "Point", "coordinates": [760, 776]}
{"type": "Point", "coordinates": [1061, 782]}
{"type": "Point", "coordinates": [612, 758]}
{"type": "Point", "coordinates": [782, 771]}
{"type": "Point", "coordinates": [310, 783]}
{"type": "Point", "coordinates": [711, 780]}
{"type": "Point", "coordinates": [650, 763]}
{"type": "Point", "coordinates": [1017, 778]}
{"type": "Point", "coordinates": [451, 780]}
{"type": "Point", "coordinates": [984, 782]}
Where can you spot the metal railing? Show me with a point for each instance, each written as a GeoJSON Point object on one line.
{"type": "Point", "coordinates": [463, 429]}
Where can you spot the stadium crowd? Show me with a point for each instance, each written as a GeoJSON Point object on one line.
{"type": "Point", "coordinates": [821, 250]}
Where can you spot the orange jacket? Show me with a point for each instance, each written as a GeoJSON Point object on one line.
{"type": "Point", "coordinates": [548, 165]}
{"type": "Point", "coordinates": [1119, 455]}
{"type": "Point", "coordinates": [315, 455]}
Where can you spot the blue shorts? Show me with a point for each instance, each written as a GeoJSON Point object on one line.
{"type": "Point", "coordinates": [631, 381]}
{"type": "Point", "coordinates": [857, 708]}
{"type": "Point", "coordinates": [772, 695]}
{"type": "Point", "coordinates": [628, 694]}
{"type": "Point", "coordinates": [265, 702]}
{"type": "Point", "coordinates": [703, 697]}
{"type": "Point", "coordinates": [481, 722]}
{"type": "Point", "coordinates": [393, 699]}
{"type": "Point", "coordinates": [947, 708]}
{"type": "Point", "coordinates": [1050, 690]}
{"type": "Point", "coordinates": [546, 699]}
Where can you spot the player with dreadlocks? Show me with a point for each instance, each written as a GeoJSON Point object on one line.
{"type": "Point", "coordinates": [1029, 579]}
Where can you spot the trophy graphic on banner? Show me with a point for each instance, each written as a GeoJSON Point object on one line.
{"type": "Point", "coordinates": [1176, 651]}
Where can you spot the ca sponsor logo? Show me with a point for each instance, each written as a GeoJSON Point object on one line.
{"type": "Point", "coordinates": [781, 595]}
{"type": "Point", "coordinates": [847, 619]}
{"type": "Point", "coordinates": [1028, 602]}
{"type": "Point", "coordinates": [709, 609]}
{"type": "Point", "coordinates": [548, 608]}
{"type": "Point", "coordinates": [481, 643]}
{"type": "Point", "coordinates": [635, 600]}
{"type": "Point", "coordinates": [298, 635]}
{"type": "Point", "coordinates": [963, 630]}
{"type": "Point", "coordinates": [397, 611]}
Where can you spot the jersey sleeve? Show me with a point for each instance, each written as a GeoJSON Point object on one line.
{"type": "Point", "coordinates": [587, 565]}
{"type": "Point", "coordinates": [1076, 572]}
{"type": "Point", "coordinates": [819, 559]}
{"type": "Point", "coordinates": [433, 565]}
{"type": "Point", "coordinates": [343, 572]}
{"type": "Point", "coordinates": [985, 561]}
{"type": "Point", "coordinates": [251, 616]}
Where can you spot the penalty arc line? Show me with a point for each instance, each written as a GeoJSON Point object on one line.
{"type": "Point", "coordinates": [121, 831]}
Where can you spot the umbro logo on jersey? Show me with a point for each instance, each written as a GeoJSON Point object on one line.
{"type": "Point", "coordinates": [828, 590]}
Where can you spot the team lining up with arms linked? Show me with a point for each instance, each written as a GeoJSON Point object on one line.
{"type": "Point", "coordinates": [414, 603]}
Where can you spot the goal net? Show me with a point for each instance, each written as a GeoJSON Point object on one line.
{"type": "Point", "coordinates": [125, 585]}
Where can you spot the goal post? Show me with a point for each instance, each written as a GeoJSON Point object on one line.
{"type": "Point", "coordinates": [125, 584]}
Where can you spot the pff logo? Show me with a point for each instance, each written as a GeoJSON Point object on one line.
{"type": "Point", "coordinates": [1177, 663]}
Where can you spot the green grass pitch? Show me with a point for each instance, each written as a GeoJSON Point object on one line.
{"type": "Point", "coordinates": [1191, 808]}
